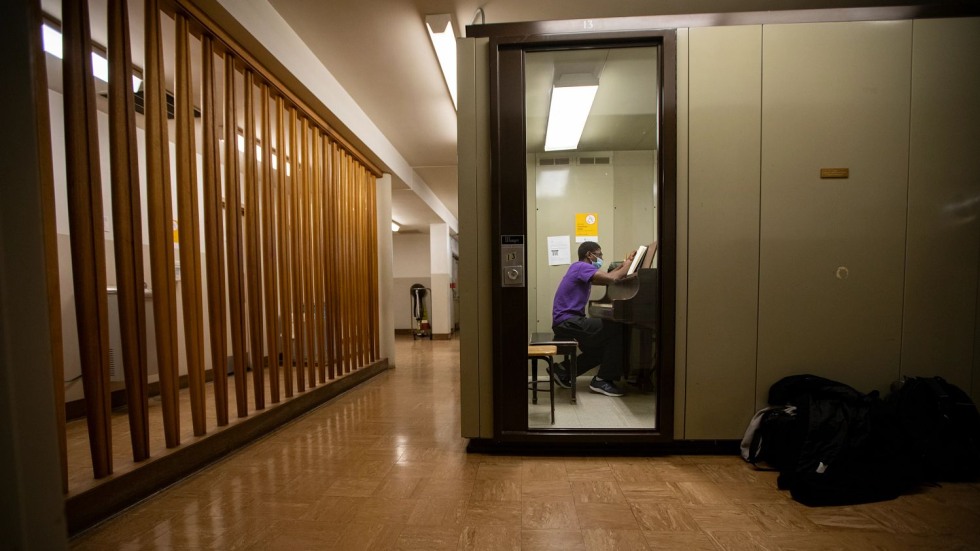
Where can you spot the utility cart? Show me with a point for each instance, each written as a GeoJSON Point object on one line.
{"type": "Point", "coordinates": [421, 305]}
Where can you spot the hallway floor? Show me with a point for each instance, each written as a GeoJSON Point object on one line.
{"type": "Point", "coordinates": [383, 467]}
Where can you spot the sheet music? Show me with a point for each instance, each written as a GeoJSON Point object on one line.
{"type": "Point", "coordinates": [637, 258]}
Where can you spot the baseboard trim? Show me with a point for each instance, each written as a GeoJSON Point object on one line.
{"type": "Point", "coordinates": [677, 447]}
{"type": "Point", "coordinates": [111, 495]}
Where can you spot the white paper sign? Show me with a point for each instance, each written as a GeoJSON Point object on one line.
{"type": "Point", "coordinates": [558, 250]}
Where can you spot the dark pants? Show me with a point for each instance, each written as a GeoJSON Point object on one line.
{"type": "Point", "coordinates": [601, 343]}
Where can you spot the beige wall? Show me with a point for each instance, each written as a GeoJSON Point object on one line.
{"type": "Point", "coordinates": [475, 248]}
{"type": "Point", "coordinates": [940, 299]}
{"type": "Point", "coordinates": [830, 95]}
{"type": "Point", "coordinates": [863, 279]}
{"type": "Point", "coordinates": [723, 226]}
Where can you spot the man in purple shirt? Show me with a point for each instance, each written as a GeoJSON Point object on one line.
{"type": "Point", "coordinates": [601, 341]}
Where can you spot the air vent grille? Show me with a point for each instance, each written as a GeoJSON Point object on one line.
{"type": "Point", "coordinates": [554, 161]}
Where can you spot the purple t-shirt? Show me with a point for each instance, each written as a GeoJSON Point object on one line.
{"type": "Point", "coordinates": [573, 292]}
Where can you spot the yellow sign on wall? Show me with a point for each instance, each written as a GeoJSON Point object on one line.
{"type": "Point", "coordinates": [586, 227]}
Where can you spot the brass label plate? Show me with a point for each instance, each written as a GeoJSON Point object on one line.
{"type": "Point", "coordinates": [835, 173]}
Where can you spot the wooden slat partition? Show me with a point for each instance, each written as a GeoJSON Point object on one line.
{"type": "Point", "coordinates": [214, 240]}
{"type": "Point", "coordinates": [253, 248]}
{"type": "Point", "coordinates": [127, 227]}
{"type": "Point", "coordinates": [269, 250]}
{"type": "Point", "coordinates": [161, 224]}
{"type": "Point", "coordinates": [285, 248]}
{"type": "Point", "coordinates": [85, 223]}
{"type": "Point", "coordinates": [189, 233]}
{"type": "Point", "coordinates": [292, 264]}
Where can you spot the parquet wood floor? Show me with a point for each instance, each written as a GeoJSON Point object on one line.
{"type": "Point", "coordinates": [383, 467]}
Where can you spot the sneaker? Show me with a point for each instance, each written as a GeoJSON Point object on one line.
{"type": "Point", "coordinates": [604, 387]}
{"type": "Point", "coordinates": [561, 376]}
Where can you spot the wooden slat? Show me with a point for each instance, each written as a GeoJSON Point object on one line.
{"type": "Point", "coordinates": [296, 240]}
{"type": "Point", "coordinates": [214, 240]}
{"type": "Point", "coordinates": [368, 251]}
{"type": "Point", "coordinates": [367, 223]}
{"type": "Point", "coordinates": [338, 296]}
{"type": "Point", "coordinates": [85, 224]}
{"type": "Point", "coordinates": [233, 237]}
{"type": "Point", "coordinates": [50, 233]}
{"type": "Point", "coordinates": [342, 283]}
{"type": "Point", "coordinates": [285, 250]}
{"type": "Point", "coordinates": [269, 250]}
{"type": "Point", "coordinates": [253, 251]}
{"type": "Point", "coordinates": [320, 253]}
{"type": "Point", "coordinates": [308, 303]}
{"type": "Point", "coordinates": [330, 267]}
{"type": "Point", "coordinates": [315, 258]}
{"type": "Point", "coordinates": [329, 237]}
{"type": "Point", "coordinates": [348, 230]}
{"type": "Point", "coordinates": [127, 227]}
{"type": "Point", "coordinates": [190, 235]}
{"type": "Point", "coordinates": [358, 291]}
{"type": "Point", "coordinates": [339, 281]}
{"type": "Point", "coordinates": [161, 223]}
{"type": "Point", "coordinates": [375, 303]}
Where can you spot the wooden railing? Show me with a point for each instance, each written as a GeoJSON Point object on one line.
{"type": "Point", "coordinates": [288, 237]}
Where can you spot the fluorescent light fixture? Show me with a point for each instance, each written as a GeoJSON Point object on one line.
{"type": "Point", "coordinates": [443, 39]}
{"type": "Point", "coordinates": [395, 226]}
{"type": "Point", "coordinates": [571, 101]}
{"type": "Point", "coordinates": [100, 66]}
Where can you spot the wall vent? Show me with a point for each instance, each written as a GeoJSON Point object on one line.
{"type": "Point", "coordinates": [554, 161]}
{"type": "Point", "coordinates": [140, 103]}
{"type": "Point", "coordinates": [593, 160]}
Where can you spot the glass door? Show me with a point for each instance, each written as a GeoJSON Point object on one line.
{"type": "Point", "coordinates": [570, 188]}
{"type": "Point", "coordinates": [591, 143]}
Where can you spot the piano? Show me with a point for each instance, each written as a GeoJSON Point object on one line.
{"type": "Point", "coordinates": [634, 301]}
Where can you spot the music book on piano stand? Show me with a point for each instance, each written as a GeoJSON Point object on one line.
{"type": "Point", "coordinates": [637, 258]}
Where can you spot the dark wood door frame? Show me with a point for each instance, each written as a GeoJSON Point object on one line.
{"type": "Point", "coordinates": [509, 217]}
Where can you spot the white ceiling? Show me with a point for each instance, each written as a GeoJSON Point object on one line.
{"type": "Point", "coordinates": [379, 52]}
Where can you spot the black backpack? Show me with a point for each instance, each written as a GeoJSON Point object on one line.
{"type": "Point", "coordinates": [773, 439]}
{"type": "Point", "coordinates": [942, 427]}
{"type": "Point", "coordinates": [837, 446]}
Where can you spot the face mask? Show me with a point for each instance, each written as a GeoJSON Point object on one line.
{"type": "Point", "coordinates": [597, 263]}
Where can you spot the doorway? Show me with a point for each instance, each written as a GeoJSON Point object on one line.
{"type": "Point", "coordinates": [613, 185]}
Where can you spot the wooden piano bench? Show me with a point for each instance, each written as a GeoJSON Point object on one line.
{"type": "Point", "coordinates": [567, 349]}
{"type": "Point", "coordinates": [546, 353]}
